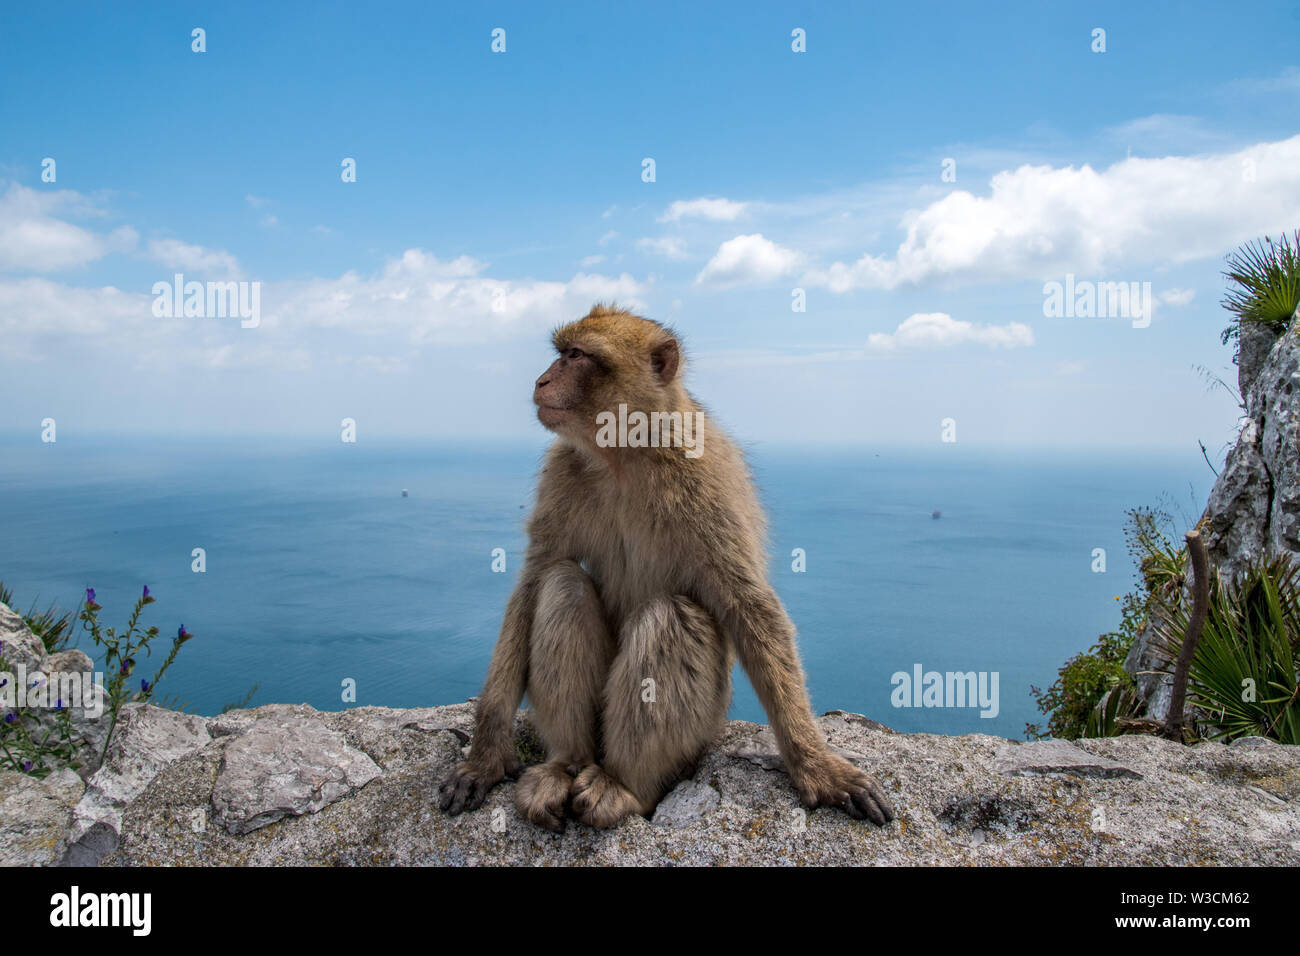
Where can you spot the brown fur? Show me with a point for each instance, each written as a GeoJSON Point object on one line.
{"type": "Point", "coordinates": [642, 563]}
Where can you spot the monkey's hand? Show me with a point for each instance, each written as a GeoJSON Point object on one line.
{"type": "Point", "coordinates": [831, 781]}
{"type": "Point", "coordinates": [469, 783]}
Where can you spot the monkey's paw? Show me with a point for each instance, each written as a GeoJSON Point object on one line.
{"type": "Point", "coordinates": [834, 782]}
{"type": "Point", "coordinates": [468, 786]}
{"type": "Point", "coordinates": [601, 801]}
{"type": "Point", "coordinates": [543, 793]}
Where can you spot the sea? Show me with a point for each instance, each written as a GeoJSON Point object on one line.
{"type": "Point", "coordinates": [342, 575]}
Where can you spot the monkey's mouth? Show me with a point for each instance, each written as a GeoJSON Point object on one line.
{"type": "Point", "coordinates": [551, 415]}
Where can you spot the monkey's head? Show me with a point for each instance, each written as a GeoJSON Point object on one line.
{"type": "Point", "coordinates": [608, 358]}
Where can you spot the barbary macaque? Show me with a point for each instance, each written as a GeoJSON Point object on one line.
{"type": "Point", "coordinates": [645, 576]}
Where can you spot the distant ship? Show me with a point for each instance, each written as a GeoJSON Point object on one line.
{"type": "Point", "coordinates": [405, 495]}
{"type": "Point", "coordinates": [936, 514]}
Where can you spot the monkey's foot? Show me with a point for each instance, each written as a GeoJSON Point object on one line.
{"type": "Point", "coordinates": [542, 794]}
{"type": "Point", "coordinates": [834, 782]}
{"type": "Point", "coordinates": [601, 801]}
{"type": "Point", "coordinates": [468, 786]}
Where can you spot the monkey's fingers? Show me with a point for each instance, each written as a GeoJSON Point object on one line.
{"type": "Point", "coordinates": [871, 804]}
{"type": "Point", "coordinates": [460, 792]}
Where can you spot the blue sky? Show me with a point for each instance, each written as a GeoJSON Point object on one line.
{"type": "Point", "coordinates": [498, 194]}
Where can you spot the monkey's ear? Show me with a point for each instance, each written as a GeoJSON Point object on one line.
{"type": "Point", "coordinates": [665, 359]}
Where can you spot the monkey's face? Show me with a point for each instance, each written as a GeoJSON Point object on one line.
{"type": "Point", "coordinates": [608, 360]}
{"type": "Point", "coordinates": [563, 391]}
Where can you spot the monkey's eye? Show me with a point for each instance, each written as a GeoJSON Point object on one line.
{"type": "Point", "coordinates": [574, 353]}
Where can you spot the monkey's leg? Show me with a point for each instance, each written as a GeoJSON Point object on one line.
{"type": "Point", "coordinates": [665, 701]}
{"type": "Point", "coordinates": [568, 659]}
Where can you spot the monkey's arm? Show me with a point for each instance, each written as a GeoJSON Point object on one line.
{"type": "Point", "coordinates": [763, 636]}
{"type": "Point", "coordinates": [492, 753]}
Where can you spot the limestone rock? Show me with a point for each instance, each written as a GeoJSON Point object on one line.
{"type": "Point", "coordinates": [34, 816]}
{"type": "Point", "coordinates": [292, 766]}
{"type": "Point", "coordinates": [686, 803]}
{"type": "Point", "coordinates": [1253, 511]}
{"type": "Point", "coordinates": [1056, 756]}
{"type": "Point", "coordinates": [146, 740]}
{"type": "Point", "coordinates": [18, 645]}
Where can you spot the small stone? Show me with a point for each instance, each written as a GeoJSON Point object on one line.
{"type": "Point", "coordinates": [1056, 756]}
{"type": "Point", "coordinates": [285, 767]}
{"type": "Point", "coordinates": [687, 802]}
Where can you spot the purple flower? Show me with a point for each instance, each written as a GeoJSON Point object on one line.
{"type": "Point", "coordinates": [144, 686]}
{"type": "Point", "coordinates": [146, 597]}
{"type": "Point", "coordinates": [90, 595]}
{"type": "Point", "coordinates": [58, 705]}
{"type": "Point", "coordinates": [11, 717]}
{"type": "Point", "coordinates": [182, 634]}
{"type": "Point", "coordinates": [27, 766]}
{"type": "Point", "coordinates": [127, 665]}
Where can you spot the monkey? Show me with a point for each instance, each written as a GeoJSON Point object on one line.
{"type": "Point", "coordinates": [643, 580]}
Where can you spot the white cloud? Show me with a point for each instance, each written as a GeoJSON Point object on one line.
{"type": "Point", "coordinates": [35, 308]}
{"type": "Point", "coordinates": [670, 247]}
{"type": "Point", "coordinates": [32, 239]}
{"type": "Point", "coordinates": [716, 210]}
{"type": "Point", "coordinates": [1040, 221]}
{"type": "Point", "coordinates": [1287, 81]}
{"type": "Point", "coordinates": [415, 299]}
{"type": "Point", "coordinates": [1177, 296]}
{"type": "Point", "coordinates": [608, 237]}
{"type": "Point", "coordinates": [428, 300]}
{"type": "Point", "coordinates": [748, 259]}
{"type": "Point", "coordinates": [589, 261]}
{"type": "Point", "coordinates": [186, 257]}
{"type": "Point", "coordinates": [930, 330]}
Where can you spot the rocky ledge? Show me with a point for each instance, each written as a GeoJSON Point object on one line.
{"type": "Point", "coordinates": [286, 784]}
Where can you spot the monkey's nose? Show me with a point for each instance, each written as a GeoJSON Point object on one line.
{"type": "Point", "coordinates": [542, 382]}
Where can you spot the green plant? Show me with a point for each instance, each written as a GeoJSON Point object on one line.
{"type": "Point", "coordinates": [1243, 674]}
{"type": "Point", "coordinates": [1085, 678]}
{"type": "Point", "coordinates": [1266, 278]}
{"type": "Point", "coordinates": [1119, 704]}
{"type": "Point", "coordinates": [1093, 693]}
{"type": "Point", "coordinates": [28, 743]}
{"type": "Point", "coordinates": [120, 652]}
{"type": "Point", "coordinates": [52, 627]}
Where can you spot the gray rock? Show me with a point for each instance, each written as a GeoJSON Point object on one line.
{"type": "Point", "coordinates": [1056, 756]}
{"type": "Point", "coordinates": [1256, 341]}
{"type": "Point", "coordinates": [1178, 806]}
{"type": "Point", "coordinates": [1253, 511]}
{"type": "Point", "coordinates": [34, 816]}
{"type": "Point", "coordinates": [1253, 742]}
{"type": "Point", "coordinates": [686, 803]}
{"type": "Point", "coordinates": [147, 740]}
{"type": "Point", "coordinates": [295, 765]}
{"type": "Point", "coordinates": [18, 645]}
